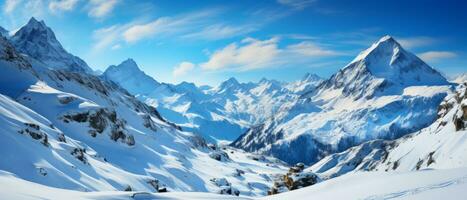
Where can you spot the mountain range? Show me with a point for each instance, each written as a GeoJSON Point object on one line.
{"type": "Point", "coordinates": [386, 115]}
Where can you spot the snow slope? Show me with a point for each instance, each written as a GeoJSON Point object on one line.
{"type": "Point", "coordinates": [385, 92]}
{"type": "Point", "coordinates": [422, 185]}
{"type": "Point", "coordinates": [219, 114]}
{"type": "Point", "coordinates": [442, 145]}
{"type": "Point", "coordinates": [75, 131]}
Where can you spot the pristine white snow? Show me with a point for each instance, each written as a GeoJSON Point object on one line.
{"type": "Point", "coordinates": [385, 92]}
{"type": "Point", "coordinates": [219, 114]}
{"type": "Point", "coordinates": [422, 185]}
{"type": "Point", "coordinates": [74, 131]}
{"type": "Point", "coordinates": [440, 145]}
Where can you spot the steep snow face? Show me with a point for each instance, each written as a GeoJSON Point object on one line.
{"type": "Point", "coordinates": [219, 114]}
{"type": "Point", "coordinates": [75, 131]}
{"type": "Point", "coordinates": [38, 41]}
{"type": "Point", "coordinates": [385, 92]}
{"type": "Point", "coordinates": [383, 69]}
{"type": "Point", "coordinates": [441, 145]}
{"type": "Point", "coordinates": [129, 76]}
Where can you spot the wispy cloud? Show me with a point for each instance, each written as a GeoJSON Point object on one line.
{"type": "Point", "coordinates": [431, 56]}
{"type": "Point", "coordinates": [414, 42]}
{"type": "Point", "coordinates": [10, 5]}
{"type": "Point", "coordinates": [101, 8]}
{"type": "Point", "coordinates": [308, 48]}
{"type": "Point", "coordinates": [296, 4]}
{"type": "Point", "coordinates": [164, 25]}
{"type": "Point", "coordinates": [62, 5]}
{"type": "Point", "coordinates": [183, 68]}
{"type": "Point", "coordinates": [221, 31]}
{"type": "Point", "coordinates": [252, 54]}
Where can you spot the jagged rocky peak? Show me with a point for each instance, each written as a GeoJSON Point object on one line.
{"type": "Point", "coordinates": [38, 41]}
{"type": "Point", "coordinates": [384, 68]}
{"type": "Point", "coordinates": [128, 75]}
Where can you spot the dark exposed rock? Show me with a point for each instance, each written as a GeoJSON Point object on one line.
{"type": "Point", "coordinates": [219, 155]}
{"type": "Point", "coordinates": [34, 131]}
{"type": "Point", "coordinates": [128, 189]}
{"type": "Point", "coordinates": [79, 153]}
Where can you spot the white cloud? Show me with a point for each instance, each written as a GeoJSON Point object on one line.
{"type": "Point", "coordinates": [62, 5]}
{"type": "Point", "coordinates": [436, 55]}
{"type": "Point", "coordinates": [116, 46]}
{"type": "Point", "coordinates": [178, 24]}
{"type": "Point", "coordinates": [10, 5]}
{"type": "Point", "coordinates": [414, 42]}
{"type": "Point", "coordinates": [101, 8]}
{"type": "Point", "coordinates": [296, 4]}
{"type": "Point", "coordinates": [254, 54]}
{"type": "Point", "coordinates": [106, 37]}
{"type": "Point", "coordinates": [183, 68]}
{"type": "Point", "coordinates": [221, 31]}
{"type": "Point", "coordinates": [308, 48]}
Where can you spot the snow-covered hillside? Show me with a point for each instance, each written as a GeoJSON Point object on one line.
{"type": "Point", "coordinates": [76, 131]}
{"type": "Point", "coordinates": [385, 92]}
{"type": "Point", "coordinates": [442, 145]}
{"type": "Point", "coordinates": [220, 113]}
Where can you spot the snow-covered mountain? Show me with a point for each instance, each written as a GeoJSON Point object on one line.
{"type": "Point", "coordinates": [129, 76]}
{"type": "Point", "coordinates": [219, 113]}
{"type": "Point", "coordinates": [38, 41]}
{"type": "Point", "coordinates": [73, 130]}
{"type": "Point", "coordinates": [442, 145]}
{"type": "Point", "coordinates": [385, 92]}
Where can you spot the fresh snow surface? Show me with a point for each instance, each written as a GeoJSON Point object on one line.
{"type": "Point", "coordinates": [219, 114]}
{"type": "Point", "coordinates": [75, 131]}
{"type": "Point", "coordinates": [419, 185]}
{"type": "Point", "coordinates": [438, 146]}
{"type": "Point", "coordinates": [385, 92]}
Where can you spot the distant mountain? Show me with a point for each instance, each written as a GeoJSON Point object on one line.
{"type": "Point", "coordinates": [38, 41]}
{"type": "Point", "coordinates": [218, 113]}
{"type": "Point", "coordinates": [128, 75]}
{"type": "Point", "coordinates": [73, 130]}
{"type": "Point", "coordinates": [385, 92]}
{"type": "Point", "coordinates": [306, 84]}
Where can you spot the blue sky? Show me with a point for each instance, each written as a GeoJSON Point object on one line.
{"type": "Point", "coordinates": [207, 42]}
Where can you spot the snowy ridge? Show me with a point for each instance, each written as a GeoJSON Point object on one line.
{"type": "Point", "coordinates": [441, 145]}
{"type": "Point", "coordinates": [386, 92]}
{"type": "Point", "coordinates": [38, 41]}
{"type": "Point", "coordinates": [75, 131]}
{"type": "Point", "coordinates": [219, 114]}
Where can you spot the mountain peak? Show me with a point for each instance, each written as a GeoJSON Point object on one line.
{"type": "Point", "coordinates": [311, 77]}
{"type": "Point", "coordinates": [386, 45]}
{"type": "Point", "coordinates": [129, 64]}
{"type": "Point", "coordinates": [35, 23]}
{"type": "Point", "coordinates": [384, 68]}
{"type": "Point", "coordinates": [38, 41]}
